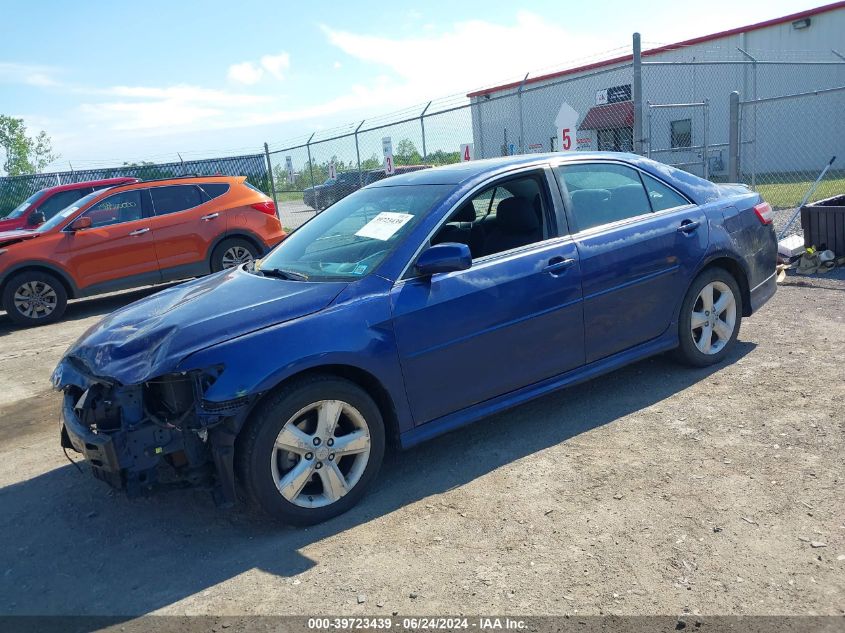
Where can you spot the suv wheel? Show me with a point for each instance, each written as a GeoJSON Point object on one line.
{"type": "Point", "coordinates": [34, 298]}
{"type": "Point", "coordinates": [231, 253]}
{"type": "Point", "coordinates": [710, 318]}
{"type": "Point", "coordinates": [309, 452]}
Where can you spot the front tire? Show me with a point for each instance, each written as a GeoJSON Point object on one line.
{"type": "Point", "coordinates": [309, 451]}
{"type": "Point", "coordinates": [710, 318]}
{"type": "Point", "coordinates": [34, 298]}
{"type": "Point", "coordinates": [231, 253]}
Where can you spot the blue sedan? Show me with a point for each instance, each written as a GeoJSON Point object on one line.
{"type": "Point", "coordinates": [412, 307]}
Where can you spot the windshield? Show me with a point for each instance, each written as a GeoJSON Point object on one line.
{"type": "Point", "coordinates": [68, 211]}
{"type": "Point", "coordinates": [353, 236]}
{"type": "Point", "coordinates": [19, 210]}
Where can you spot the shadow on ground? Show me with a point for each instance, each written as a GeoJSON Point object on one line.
{"type": "Point", "coordinates": [71, 546]}
{"type": "Point", "coordinates": [85, 308]}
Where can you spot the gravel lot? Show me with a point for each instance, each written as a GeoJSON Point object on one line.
{"type": "Point", "coordinates": [654, 490]}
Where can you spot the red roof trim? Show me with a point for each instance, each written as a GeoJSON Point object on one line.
{"type": "Point", "coordinates": [662, 49]}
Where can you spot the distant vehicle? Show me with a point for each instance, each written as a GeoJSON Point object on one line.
{"type": "Point", "coordinates": [136, 234]}
{"type": "Point", "coordinates": [43, 205]}
{"type": "Point", "coordinates": [410, 308]}
{"type": "Point", "coordinates": [323, 196]}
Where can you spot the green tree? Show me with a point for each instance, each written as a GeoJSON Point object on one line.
{"type": "Point", "coordinates": [24, 155]}
{"type": "Point", "coordinates": [406, 153]}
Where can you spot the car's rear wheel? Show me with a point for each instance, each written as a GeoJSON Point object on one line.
{"type": "Point", "coordinates": [231, 253]}
{"type": "Point", "coordinates": [309, 452]}
{"type": "Point", "coordinates": [710, 318]}
{"type": "Point", "coordinates": [34, 298]}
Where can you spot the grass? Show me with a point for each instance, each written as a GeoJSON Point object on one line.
{"type": "Point", "coordinates": [784, 195]}
{"type": "Point", "coordinates": [289, 196]}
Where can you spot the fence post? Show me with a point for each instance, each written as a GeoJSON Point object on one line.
{"type": "Point", "coordinates": [637, 96]}
{"type": "Point", "coordinates": [733, 139]}
{"type": "Point", "coordinates": [648, 117]}
{"type": "Point", "coordinates": [272, 180]}
{"type": "Point", "coordinates": [521, 127]}
{"type": "Point", "coordinates": [422, 127]}
{"type": "Point", "coordinates": [705, 166]}
{"type": "Point", "coordinates": [753, 116]}
{"type": "Point", "coordinates": [358, 155]}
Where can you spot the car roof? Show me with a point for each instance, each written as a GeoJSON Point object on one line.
{"type": "Point", "coordinates": [180, 180]}
{"type": "Point", "coordinates": [465, 173]}
{"type": "Point", "coordinates": [103, 182]}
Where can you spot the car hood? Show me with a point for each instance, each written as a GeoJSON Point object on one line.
{"type": "Point", "coordinates": [150, 337]}
{"type": "Point", "coordinates": [11, 237]}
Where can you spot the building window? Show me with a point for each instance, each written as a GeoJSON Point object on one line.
{"type": "Point", "coordinates": [682, 133]}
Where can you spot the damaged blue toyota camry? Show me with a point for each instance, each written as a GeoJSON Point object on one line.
{"type": "Point", "coordinates": [410, 308]}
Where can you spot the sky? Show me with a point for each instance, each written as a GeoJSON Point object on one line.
{"type": "Point", "coordinates": [119, 81]}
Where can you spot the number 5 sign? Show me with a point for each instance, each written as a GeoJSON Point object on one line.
{"type": "Point", "coordinates": [566, 122]}
{"type": "Point", "coordinates": [467, 152]}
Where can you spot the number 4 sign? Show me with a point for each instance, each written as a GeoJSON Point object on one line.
{"type": "Point", "coordinates": [467, 152]}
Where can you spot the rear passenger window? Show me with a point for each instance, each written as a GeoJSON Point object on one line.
{"type": "Point", "coordinates": [214, 189]}
{"type": "Point", "coordinates": [662, 197]}
{"type": "Point", "coordinates": [175, 198]}
{"type": "Point", "coordinates": [602, 193]}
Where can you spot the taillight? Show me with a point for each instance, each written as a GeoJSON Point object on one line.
{"type": "Point", "coordinates": [764, 212]}
{"type": "Point", "coordinates": [265, 207]}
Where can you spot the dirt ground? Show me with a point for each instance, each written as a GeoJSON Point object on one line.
{"type": "Point", "coordinates": [654, 490]}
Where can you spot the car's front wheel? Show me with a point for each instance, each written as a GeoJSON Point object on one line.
{"type": "Point", "coordinates": [311, 449]}
{"type": "Point", "coordinates": [34, 298]}
{"type": "Point", "coordinates": [710, 318]}
{"type": "Point", "coordinates": [231, 253]}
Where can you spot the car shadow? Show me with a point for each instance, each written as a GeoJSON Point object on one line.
{"type": "Point", "coordinates": [79, 309]}
{"type": "Point", "coordinates": [72, 546]}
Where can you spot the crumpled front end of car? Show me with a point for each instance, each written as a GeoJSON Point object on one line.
{"type": "Point", "coordinates": [160, 433]}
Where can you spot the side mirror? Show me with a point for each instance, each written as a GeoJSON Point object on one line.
{"type": "Point", "coordinates": [35, 218]}
{"type": "Point", "coordinates": [80, 224]}
{"type": "Point", "coordinates": [444, 258]}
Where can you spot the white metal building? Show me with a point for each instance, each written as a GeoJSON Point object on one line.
{"type": "Point", "coordinates": [590, 107]}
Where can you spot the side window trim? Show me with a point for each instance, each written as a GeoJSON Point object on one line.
{"type": "Point", "coordinates": [541, 171]}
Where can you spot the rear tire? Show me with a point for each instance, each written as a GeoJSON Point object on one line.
{"type": "Point", "coordinates": [34, 298]}
{"type": "Point", "coordinates": [231, 253]}
{"type": "Point", "coordinates": [310, 450]}
{"type": "Point", "coordinates": [710, 318]}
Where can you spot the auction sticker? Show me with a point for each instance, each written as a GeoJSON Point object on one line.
{"type": "Point", "coordinates": [384, 225]}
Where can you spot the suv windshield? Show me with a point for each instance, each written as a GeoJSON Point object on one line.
{"type": "Point", "coordinates": [68, 211]}
{"type": "Point", "coordinates": [19, 210]}
{"type": "Point", "coordinates": [354, 235]}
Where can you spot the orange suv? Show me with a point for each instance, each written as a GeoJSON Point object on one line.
{"type": "Point", "coordinates": [132, 235]}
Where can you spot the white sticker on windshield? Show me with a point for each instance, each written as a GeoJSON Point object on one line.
{"type": "Point", "coordinates": [384, 225]}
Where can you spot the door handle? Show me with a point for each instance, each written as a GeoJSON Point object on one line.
{"type": "Point", "coordinates": [557, 265]}
{"type": "Point", "coordinates": [688, 226]}
{"type": "Point", "coordinates": [210, 216]}
{"type": "Point", "coordinates": [140, 231]}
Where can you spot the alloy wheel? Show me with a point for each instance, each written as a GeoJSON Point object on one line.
{"type": "Point", "coordinates": [35, 299]}
{"type": "Point", "coordinates": [237, 256]}
{"type": "Point", "coordinates": [321, 453]}
{"type": "Point", "coordinates": [713, 318]}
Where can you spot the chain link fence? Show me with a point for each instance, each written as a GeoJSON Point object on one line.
{"type": "Point", "coordinates": [775, 137]}
{"type": "Point", "coordinates": [16, 189]}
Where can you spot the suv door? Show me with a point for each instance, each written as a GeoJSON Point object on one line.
{"type": "Point", "coordinates": [117, 251]}
{"type": "Point", "coordinates": [185, 224]}
{"type": "Point", "coordinates": [512, 319]}
{"type": "Point", "coordinates": [639, 242]}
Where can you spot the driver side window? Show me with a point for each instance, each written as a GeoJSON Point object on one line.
{"type": "Point", "coordinates": [116, 209]}
{"type": "Point", "coordinates": [508, 215]}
